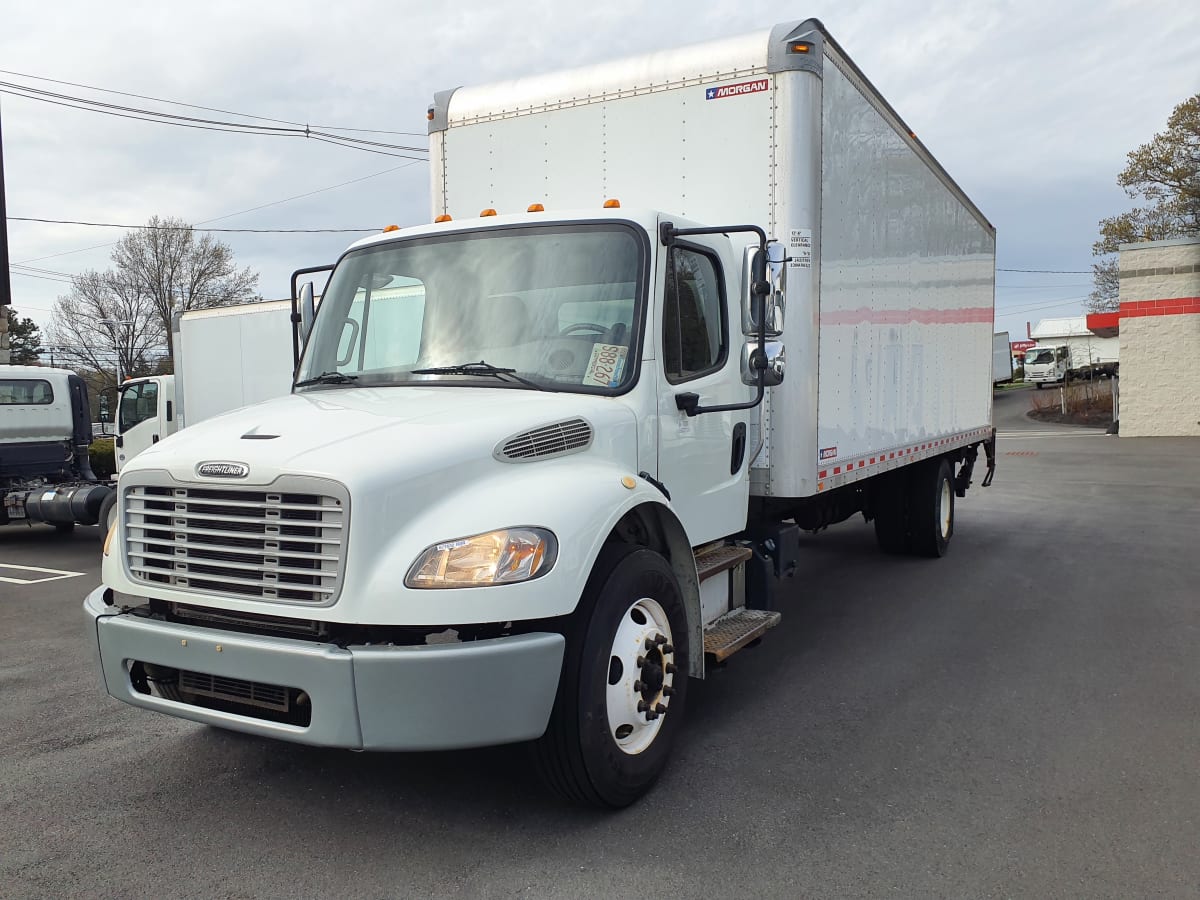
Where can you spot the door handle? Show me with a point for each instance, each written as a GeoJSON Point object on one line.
{"type": "Point", "coordinates": [739, 448]}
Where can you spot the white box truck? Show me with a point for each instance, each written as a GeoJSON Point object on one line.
{"type": "Point", "coordinates": [542, 464]}
{"type": "Point", "coordinates": [1067, 350]}
{"type": "Point", "coordinates": [226, 357]}
{"type": "Point", "coordinates": [1002, 367]}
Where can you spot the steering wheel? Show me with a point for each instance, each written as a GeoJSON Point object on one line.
{"type": "Point", "coordinates": [584, 326]}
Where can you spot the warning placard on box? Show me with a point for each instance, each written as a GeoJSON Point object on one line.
{"type": "Point", "coordinates": [800, 248]}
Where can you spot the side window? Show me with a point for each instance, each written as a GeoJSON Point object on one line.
{"type": "Point", "coordinates": [695, 332]}
{"type": "Point", "coordinates": [138, 403]}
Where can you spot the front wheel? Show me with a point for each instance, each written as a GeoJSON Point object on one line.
{"type": "Point", "coordinates": [621, 694]}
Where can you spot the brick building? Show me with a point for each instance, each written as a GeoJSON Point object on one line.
{"type": "Point", "coordinates": [1159, 328]}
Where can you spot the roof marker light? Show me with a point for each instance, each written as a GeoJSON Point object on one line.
{"type": "Point", "coordinates": [429, 114]}
{"type": "Point", "coordinates": [536, 207]}
{"type": "Point", "coordinates": [444, 217]}
{"type": "Point", "coordinates": [391, 228]}
{"type": "Point", "coordinates": [487, 212]}
{"type": "Point", "coordinates": [612, 204]}
{"type": "Point", "coordinates": [799, 47]}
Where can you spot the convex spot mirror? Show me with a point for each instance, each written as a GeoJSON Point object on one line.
{"type": "Point", "coordinates": [756, 267]}
{"type": "Point", "coordinates": [308, 311]}
{"type": "Point", "coordinates": [775, 363]}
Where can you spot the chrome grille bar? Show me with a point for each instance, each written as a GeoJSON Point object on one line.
{"type": "Point", "coordinates": [273, 544]}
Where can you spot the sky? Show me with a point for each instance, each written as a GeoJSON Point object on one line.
{"type": "Point", "coordinates": [1030, 106]}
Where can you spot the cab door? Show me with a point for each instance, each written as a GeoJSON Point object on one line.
{"type": "Point", "coordinates": [138, 421]}
{"type": "Point", "coordinates": [702, 459]}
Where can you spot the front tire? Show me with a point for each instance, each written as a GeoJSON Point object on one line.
{"type": "Point", "coordinates": [623, 687]}
{"type": "Point", "coordinates": [108, 514]}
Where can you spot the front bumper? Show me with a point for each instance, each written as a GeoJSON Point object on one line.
{"type": "Point", "coordinates": [435, 697]}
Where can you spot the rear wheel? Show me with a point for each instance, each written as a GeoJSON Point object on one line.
{"type": "Point", "coordinates": [891, 527]}
{"type": "Point", "coordinates": [621, 694]}
{"type": "Point", "coordinates": [931, 508]}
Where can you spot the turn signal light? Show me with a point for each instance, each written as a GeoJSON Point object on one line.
{"type": "Point", "coordinates": [800, 47]}
{"type": "Point", "coordinates": [487, 212]}
{"type": "Point", "coordinates": [536, 207]}
{"type": "Point", "coordinates": [612, 204]}
{"type": "Point", "coordinates": [429, 114]}
{"type": "Point", "coordinates": [444, 217]}
{"type": "Point", "coordinates": [391, 228]}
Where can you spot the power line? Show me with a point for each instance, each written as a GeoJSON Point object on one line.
{"type": "Point", "coordinates": [1051, 271]}
{"type": "Point", "coordinates": [240, 212]}
{"type": "Point", "coordinates": [193, 228]}
{"type": "Point", "coordinates": [92, 87]}
{"type": "Point", "coordinates": [164, 118]}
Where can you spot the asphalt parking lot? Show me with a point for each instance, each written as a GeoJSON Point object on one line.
{"type": "Point", "coordinates": [1021, 718]}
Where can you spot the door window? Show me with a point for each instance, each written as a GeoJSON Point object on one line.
{"type": "Point", "coordinates": [139, 402]}
{"type": "Point", "coordinates": [695, 329]}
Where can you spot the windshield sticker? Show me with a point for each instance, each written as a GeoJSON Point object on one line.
{"type": "Point", "coordinates": [606, 365]}
{"type": "Point", "coordinates": [736, 90]}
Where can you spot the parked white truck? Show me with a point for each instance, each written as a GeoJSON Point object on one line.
{"type": "Point", "coordinates": [226, 357]}
{"type": "Point", "coordinates": [45, 430]}
{"type": "Point", "coordinates": [540, 464]}
{"type": "Point", "coordinates": [1002, 367]}
{"type": "Point", "coordinates": [1066, 350]}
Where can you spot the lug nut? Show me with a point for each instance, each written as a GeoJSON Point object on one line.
{"type": "Point", "coordinates": [637, 687]}
{"type": "Point", "coordinates": [668, 648]}
{"type": "Point", "coordinates": [659, 639]}
{"type": "Point", "coordinates": [643, 706]}
{"type": "Point", "coordinates": [668, 691]}
{"type": "Point", "coordinates": [671, 670]}
{"type": "Point", "coordinates": [651, 716]}
{"type": "Point", "coordinates": [648, 643]}
{"type": "Point", "coordinates": [660, 708]}
{"type": "Point", "coordinates": [641, 661]}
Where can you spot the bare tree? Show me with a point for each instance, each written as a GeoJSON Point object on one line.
{"type": "Point", "coordinates": [174, 270]}
{"type": "Point", "coordinates": [88, 326]}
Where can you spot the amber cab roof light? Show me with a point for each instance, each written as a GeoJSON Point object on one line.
{"type": "Point", "coordinates": [612, 203]}
{"type": "Point", "coordinates": [487, 212]}
{"type": "Point", "coordinates": [444, 217]}
{"type": "Point", "coordinates": [391, 228]}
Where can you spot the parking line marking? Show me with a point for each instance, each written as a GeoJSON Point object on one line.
{"type": "Point", "coordinates": [52, 574]}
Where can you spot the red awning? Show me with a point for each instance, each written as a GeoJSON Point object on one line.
{"type": "Point", "coordinates": [1104, 324]}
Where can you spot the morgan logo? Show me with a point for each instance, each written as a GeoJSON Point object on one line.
{"type": "Point", "coordinates": [736, 90]}
{"type": "Point", "coordinates": [223, 469]}
{"type": "Point", "coordinates": [829, 453]}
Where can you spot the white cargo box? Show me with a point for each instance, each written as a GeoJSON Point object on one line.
{"type": "Point", "coordinates": [891, 268]}
{"type": "Point", "coordinates": [228, 357]}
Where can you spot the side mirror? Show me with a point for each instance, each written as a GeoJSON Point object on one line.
{"type": "Point", "coordinates": [308, 311]}
{"type": "Point", "coordinates": [762, 270]}
{"type": "Point", "coordinates": [753, 357]}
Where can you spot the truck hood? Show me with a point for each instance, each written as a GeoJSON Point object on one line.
{"type": "Point", "coordinates": [363, 437]}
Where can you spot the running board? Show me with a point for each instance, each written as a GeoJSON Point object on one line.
{"type": "Point", "coordinates": [737, 628]}
{"type": "Point", "coordinates": [720, 558]}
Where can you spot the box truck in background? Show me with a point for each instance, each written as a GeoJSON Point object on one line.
{"type": "Point", "coordinates": [226, 357]}
{"type": "Point", "coordinates": [544, 462]}
{"type": "Point", "coordinates": [1002, 367]}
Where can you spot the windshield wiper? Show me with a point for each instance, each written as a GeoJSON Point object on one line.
{"type": "Point", "coordinates": [328, 378]}
{"type": "Point", "coordinates": [481, 368]}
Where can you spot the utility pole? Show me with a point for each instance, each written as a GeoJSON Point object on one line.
{"type": "Point", "coordinates": [5, 283]}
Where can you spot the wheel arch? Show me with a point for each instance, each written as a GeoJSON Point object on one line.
{"type": "Point", "coordinates": [654, 525]}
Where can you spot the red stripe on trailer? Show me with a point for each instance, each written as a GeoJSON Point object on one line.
{"type": "Point", "coordinates": [965, 315]}
{"type": "Point", "coordinates": [837, 470]}
{"type": "Point", "coordinates": [823, 473]}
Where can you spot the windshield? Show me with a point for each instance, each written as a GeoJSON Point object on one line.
{"type": "Point", "coordinates": [558, 307]}
{"type": "Point", "coordinates": [1039, 357]}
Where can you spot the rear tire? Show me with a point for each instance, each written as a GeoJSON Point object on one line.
{"type": "Point", "coordinates": [891, 514]}
{"type": "Point", "coordinates": [607, 742]}
{"type": "Point", "coordinates": [931, 508]}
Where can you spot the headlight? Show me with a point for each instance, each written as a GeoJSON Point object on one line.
{"type": "Point", "coordinates": [498, 557]}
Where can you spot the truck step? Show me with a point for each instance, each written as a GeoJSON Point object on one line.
{"type": "Point", "coordinates": [737, 628]}
{"type": "Point", "coordinates": [719, 558]}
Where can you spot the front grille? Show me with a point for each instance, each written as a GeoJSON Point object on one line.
{"type": "Point", "coordinates": [233, 690]}
{"type": "Point", "coordinates": [262, 544]}
{"type": "Point", "coordinates": [556, 439]}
